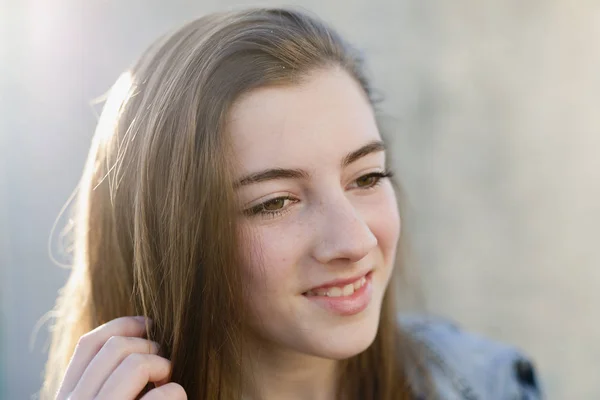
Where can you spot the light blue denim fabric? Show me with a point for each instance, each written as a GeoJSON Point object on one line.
{"type": "Point", "coordinates": [467, 366]}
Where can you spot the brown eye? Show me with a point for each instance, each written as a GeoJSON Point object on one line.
{"type": "Point", "coordinates": [371, 180]}
{"type": "Point", "coordinates": [367, 180]}
{"type": "Point", "coordinates": [274, 205]}
{"type": "Point", "coordinates": [271, 207]}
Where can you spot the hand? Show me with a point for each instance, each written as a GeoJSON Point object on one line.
{"type": "Point", "coordinates": [115, 362]}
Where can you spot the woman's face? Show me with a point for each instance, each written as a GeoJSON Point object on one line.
{"type": "Point", "coordinates": [319, 218]}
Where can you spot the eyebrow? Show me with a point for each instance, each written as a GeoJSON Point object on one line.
{"type": "Point", "coordinates": [371, 147]}
{"type": "Point", "coordinates": [283, 173]}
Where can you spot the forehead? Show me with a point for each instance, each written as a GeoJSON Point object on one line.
{"type": "Point", "coordinates": [318, 121]}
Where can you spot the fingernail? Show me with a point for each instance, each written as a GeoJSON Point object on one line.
{"type": "Point", "coordinates": [143, 319]}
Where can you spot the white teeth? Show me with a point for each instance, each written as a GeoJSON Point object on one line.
{"type": "Point", "coordinates": [347, 290]}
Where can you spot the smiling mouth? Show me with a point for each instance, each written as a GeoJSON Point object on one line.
{"type": "Point", "coordinates": [340, 290]}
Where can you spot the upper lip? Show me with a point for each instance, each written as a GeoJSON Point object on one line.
{"type": "Point", "coordinates": [340, 282]}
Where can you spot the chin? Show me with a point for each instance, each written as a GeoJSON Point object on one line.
{"type": "Point", "coordinates": [347, 340]}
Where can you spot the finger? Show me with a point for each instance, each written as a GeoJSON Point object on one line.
{"type": "Point", "coordinates": [114, 351]}
{"type": "Point", "coordinates": [170, 391]}
{"type": "Point", "coordinates": [133, 374]}
{"type": "Point", "coordinates": [89, 345]}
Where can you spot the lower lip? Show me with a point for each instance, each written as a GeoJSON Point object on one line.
{"type": "Point", "coordinates": [347, 305]}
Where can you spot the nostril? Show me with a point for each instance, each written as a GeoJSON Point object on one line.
{"type": "Point", "coordinates": [525, 373]}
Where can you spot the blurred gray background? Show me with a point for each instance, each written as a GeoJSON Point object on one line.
{"type": "Point", "coordinates": [494, 110]}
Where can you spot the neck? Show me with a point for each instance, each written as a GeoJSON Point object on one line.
{"type": "Point", "coordinates": [274, 373]}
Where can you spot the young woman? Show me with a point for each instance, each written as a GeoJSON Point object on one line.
{"type": "Point", "coordinates": [237, 235]}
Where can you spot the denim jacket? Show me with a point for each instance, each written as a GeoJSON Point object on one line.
{"type": "Point", "coordinates": [467, 366]}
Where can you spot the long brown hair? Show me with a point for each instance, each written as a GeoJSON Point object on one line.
{"type": "Point", "coordinates": [155, 214]}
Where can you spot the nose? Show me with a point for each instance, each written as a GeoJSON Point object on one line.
{"type": "Point", "coordinates": [342, 233]}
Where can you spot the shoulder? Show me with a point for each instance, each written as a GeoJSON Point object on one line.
{"type": "Point", "coordinates": [465, 365]}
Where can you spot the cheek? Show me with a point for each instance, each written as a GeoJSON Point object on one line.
{"type": "Point", "coordinates": [269, 256]}
{"type": "Point", "coordinates": [386, 225]}
{"type": "Point", "coordinates": [270, 273]}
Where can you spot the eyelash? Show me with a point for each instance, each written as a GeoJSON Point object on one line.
{"type": "Point", "coordinates": [259, 209]}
